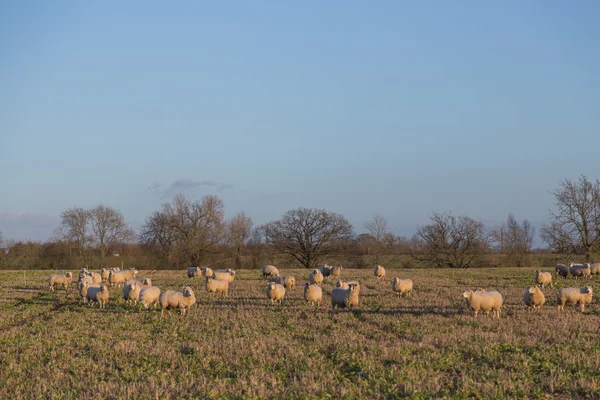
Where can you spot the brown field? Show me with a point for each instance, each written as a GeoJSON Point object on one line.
{"type": "Point", "coordinates": [241, 346]}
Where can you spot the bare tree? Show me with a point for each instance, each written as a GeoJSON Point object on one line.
{"type": "Point", "coordinates": [575, 225]}
{"type": "Point", "coordinates": [515, 239]}
{"type": "Point", "coordinates": [75, 228]}
{"type": "Point", "coordinates": [187, 231]}
{"type": "Point", "coordinates": [108, 227]}
{"type": "Point", "coordinates": [308, 234]}
{"type": "Point", "coordinates": [239, 228]}
{"type": "Point", "coordinates": [450, 241]}
{"type": "Point", "coordinates": [377, 228]}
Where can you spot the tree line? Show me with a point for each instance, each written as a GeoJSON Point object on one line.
{"type": "Point", "coordinates": [191, 233]}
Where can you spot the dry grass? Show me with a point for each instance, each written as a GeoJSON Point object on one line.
{"type": "Point", "coordinates": [243, 347]}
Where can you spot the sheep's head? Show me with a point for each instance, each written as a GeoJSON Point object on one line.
{"type": "Point", "coordinates": [103, 288]}
{"type": "Point", "coordinates": [537, 272]}
{"type": "Point", "coordinates": [148, 282]}
{"type": "Point", "coordinates": [271, 285]}
{"type": "Point", "coordinates": [135, 272]}
{"type": "Point", "coordinates": [69, 275]}
{"type": "Point", "coordinates": [352, 287]}
{"type": "Point", "coordinates": [134, 287]}
{"type": "Point", "coordinates": [588, 289]}
{"type": "Point", "coordinates": [338, 284]}
{"type": "Point", "coordinates": [306, 285]}
{"type": "Point", "coordinates": [467, 294]}
{"type": "Point", "coordinates": [531, 289]}
{"type": "Point", "coordinates": [187, 291]}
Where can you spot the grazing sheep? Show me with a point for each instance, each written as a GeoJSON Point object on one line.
{"type": "Point", "coordinates": [288, 281]}
{"type": "Point", "coordinates": [176, 299]}
{"type": "Point", "coordinates": [99, 294]}
{"type": "Point", "coordinates": [572, 296]}
{"type": "Point", "coordinates": [207, 272]}
{"type": "Point", "coordinates": [226, 275]}
{"type": "Point", "coordinates": [543, 278]}
{"type": "Point", "coordinates": [194, 272]}
{"type": "Point", "coordinates": [336, 272]}
{"type": "Point", "coordinates": [344, 297]}
{"type": "Point", "coordinates": [313, 294]}
{"type": "Point", "coordinates": [275, 292]}
{"type": "Point", "coordinates": [149, 296]}
{"type": "Point", "coordinates": [83, 289]}
{"type": "Point", "coordinates": [131, 292]}
{"type": "Point", "coordinates": [315, 277]}
{"type": "Point", "coordinates": [580, 270]}
{"type": "Point", "coordinates": [561, 270]}
{"type": "Point", "coordinates": [60, 280]}
{"type": "Point", "coordinates": [120, 277]}
{"type": "Point", "coordinates": [379, 272]}
{"type": "Point", "coordinates": [326, 270]}
{"type": "Point", "coordinates": [217, 286]}
{"type": "Point", "coordinates": [534, 298]}
{"type": "Point", "coordinates": [485, 301]}
{"type": "Point", "coordinates": [595, 269]}
{"type": "Point", "coordinates": [402, 286]}
{"type": "Point", "coordinates": [269, 270]}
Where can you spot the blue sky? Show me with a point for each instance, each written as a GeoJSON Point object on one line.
{"type": "Point", "coordinates": [395, 108]}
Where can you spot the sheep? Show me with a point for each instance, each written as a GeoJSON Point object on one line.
{"type": "Point", "coordinates": [275, 292]}
{"type": "Point", "coordinates": [287, 281]}
{"type": "Point", "coordinates": [402, 286]}
{"type": "Point", "coordinates": [194, 272]}
{"type": "Point", "coordinates": [176, 299]}
{"type": "Point", "coordinates": [105, 272]}
{"type": "Point", "coordinates": [207, 272]}
{"type": "Point", "coordinates": [226, 275]}
{"type": "Point", "coordinates": [83, 289]}
{"type": "Point", "coordinates": [326, 270]}
{"type": "Point", "coordinates": [534, 298]}
{"type": "Point", "coordinates": [573, 296]}
{"type": "Point", "coordinates": [336, 272]}
{"type": "Point", "coordinates": [346, 284]}
{"type": "Point", "coordinates": [313, 294]}
{"type": "Point", "coordinates": [131, 291]}
{"type": "Point", "coordinates": [595, 269]}
{"type": "Point", "coordinates": [315, 277]}
{"type": "Point", "coordinates": [60, 280]}
{"type": "Point", "coordinates": [543, 278]}
{"type": "Point", "coordinates": [561, 270]}
{"type": "Point", "coordinates": [99, 294]}
{"type": "Point", "coordinates": [485, 301]}
{"type": "Point", "coordinates": [120, 277]}
{"type": "Point", "coordinates": [582, 270]}
{"type": "Point", "coordinates": [149, 296]}
{"type": "Point", "coordinates": [379, 272]}
{"type": "Point", "coordinates": [217, 286]}
{"type": "Point", "coordinates": [344, 297]}
{"type": "Point", "coordinates": [269, 270]}
{"type": "Point", "coordinates": [143, 282]}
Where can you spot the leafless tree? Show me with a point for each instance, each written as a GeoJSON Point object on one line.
{"type": "Point", "coordinates": [515, 239]}
{"type": "Point", "coordinates": [187, 231]}
{"type": "Point", "coordinates": [575, 223]}
{"type": "Point", "coordinates": [377, 228]}
{"type": "Point", "coordinates": [450, 241]}
{"type": "Point", "coordinates": [239, 228]}
{"type": "Point", "coordinates": [308, 234]}
{"type": "Point", "coordinates": [108, 227]}
{"type": "Point", "coordinates": [75, 228]}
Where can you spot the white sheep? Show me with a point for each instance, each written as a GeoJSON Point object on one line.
{"type": "Point", "coordinates": [99, 294]}
{"type": "Point", "coordinates": [131, 292]}
{"type": "Point", "coordinates": [83, 289]}
{"type": "Point", "coordinates": [275, 292]}
{"type": "Point", "coordinates": [595, 269]}
{"type": "Point", "coordinates": [402, 286]}
{"type": "Point", "coordinates": [379, 272]}
{"type": "Point", "coordinates": [543, 278]}
{"type": "Point", "coordinates": [105, 272]}
{"type": "Point", "coordinates": [561, 270]}
{"type": "Point", "coordinates": [534, 298]}
{"type": "Point", "coordinates": [269, 270]}
{"type": "Point", "coordinates": [287, 281]}
{"type": "Point", "coordinates": [149, 296]}
{"type": "Point", "coordinates": [484, 301]}
{"type": "Point", "coordinates": [227, 275]}
{"type": "Point", "coordinates": [346, 284]}
{"type": "Point", "coordinates": [177, 299]}
{"type": "Point", "coordinates": [344, 297]}
{"type": "Point", "coordinates": [580, 270]}
{"type": "Point", "coordinates": [313, 294]}
{"type": "Point", "coordinates": [60, 280]}
{"type": "Point", "coordinates": [194, 272]}
{"type": "Point", "coordinates": [573, 296]}
{"type": "Point", "coordinates": [315, 276]}
{"type": "Point", "coordinates": [217, 286]}
{"type": "Point", "coordinates": [207, 272]}
{"type": "Point", "coordinates": [120, 277]}
{"type": "Point", "coordinates": [336, 272]}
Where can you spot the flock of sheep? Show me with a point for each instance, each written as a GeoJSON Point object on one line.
{"type": "Point", "coordinates": [93, 288]}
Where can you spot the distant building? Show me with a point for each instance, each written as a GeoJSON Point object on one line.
{"type": "Point", "coordinates": [115, 253]}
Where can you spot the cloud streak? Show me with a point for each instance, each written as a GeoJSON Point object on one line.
{"type": "Point", "coordinates": [185, 186]}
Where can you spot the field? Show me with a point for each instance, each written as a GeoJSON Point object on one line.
{"type": "Point", "coordinates": [241, 346]}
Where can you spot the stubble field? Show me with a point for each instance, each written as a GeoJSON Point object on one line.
{"type": "Point", "coordinates": [241, 346]}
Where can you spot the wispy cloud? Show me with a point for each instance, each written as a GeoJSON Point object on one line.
{"type": "Point", "coordinates": [185, 185]}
